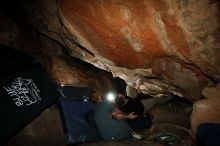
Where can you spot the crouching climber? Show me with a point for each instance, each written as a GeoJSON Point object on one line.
{"type": "Point", "coordinates": [140, 104]}
{"type": "Point", "coordinates": [110, 121]}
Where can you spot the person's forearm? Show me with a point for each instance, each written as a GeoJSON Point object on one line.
{"type": "Point", "coordinates": [119, 116]}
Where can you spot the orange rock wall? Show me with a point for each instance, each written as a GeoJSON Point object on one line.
{"type": "Point", "coordinates": [126, 29]}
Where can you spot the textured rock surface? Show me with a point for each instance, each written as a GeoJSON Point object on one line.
{"type": "Point", "coordinates": [173, 46]}
{"type": "Point", "coordinates": [207, 110]}
{"type": "Point", "coordinates": [159, 35]}
{"type": "Point", "coordinates": [176, 112]}
{"type": "Point", "coordinates": [177, 40]}
{"type": "Point", "coordinates": [181, 132]}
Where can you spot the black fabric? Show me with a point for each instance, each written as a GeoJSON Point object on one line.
{"type": "Point", "coordinates": [140, 123]}
{"type": "Point", "coordinates": [77, 115]}
{"type": "Point", "coordinates": [133, 105]}
{"type": "Point", "coordinates": [25, 91]}
{"type": "Point", "coordinates": [208, 134]}
{"type": "Point", "coordinates": [143, 121]}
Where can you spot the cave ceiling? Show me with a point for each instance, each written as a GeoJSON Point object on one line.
{"type": "Point", "coordinates": [173, 46]}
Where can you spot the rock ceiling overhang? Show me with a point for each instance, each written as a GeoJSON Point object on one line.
{"type": "Point", "coordinates": [163, 37]}
{"type": "Point", "coordinates": [172, 45]}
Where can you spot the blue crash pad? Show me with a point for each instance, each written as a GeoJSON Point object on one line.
{"type": "Point", "coordinates": [77, 116]}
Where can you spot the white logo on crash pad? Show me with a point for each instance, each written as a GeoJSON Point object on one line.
{"type": "Point", "coordinates": [24, 92]}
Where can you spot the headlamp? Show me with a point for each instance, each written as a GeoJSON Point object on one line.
{"type": "Point", "coordinates": [110, 97]}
